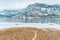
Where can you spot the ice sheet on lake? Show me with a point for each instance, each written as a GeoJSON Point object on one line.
{"type": "Point", "coordinates": [33, 25]}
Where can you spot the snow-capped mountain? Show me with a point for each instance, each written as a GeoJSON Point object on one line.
{"type": "Point", "coordinates": [33, 10]}
{"type": "Point", "coordinates": [43, 9]}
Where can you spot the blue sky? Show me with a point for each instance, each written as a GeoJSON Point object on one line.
{"type": "Point", "coordinates": [18, 4]}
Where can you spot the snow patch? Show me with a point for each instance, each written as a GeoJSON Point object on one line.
{"type": "Point", "coordinates": [33, 25]}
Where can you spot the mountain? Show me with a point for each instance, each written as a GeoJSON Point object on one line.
{"type": "Point", "coordinates": [41, 9]}
{"type": "Point", "coordinates": [42, 5]}
{"type": "Point", "coordinates": [33, 10]}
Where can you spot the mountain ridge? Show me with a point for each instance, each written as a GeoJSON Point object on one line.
{"type": "Point", "coordinates": [36, 9]}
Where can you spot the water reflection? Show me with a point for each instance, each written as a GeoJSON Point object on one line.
{"type": "Point", "coordinates": [32, 20]}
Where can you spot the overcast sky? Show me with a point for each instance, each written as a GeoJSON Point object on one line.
{"type": "Point", "coordinates": [18, 4]}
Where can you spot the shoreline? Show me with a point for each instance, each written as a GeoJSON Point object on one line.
{"type": "Point", "coordinates": [4, 25]}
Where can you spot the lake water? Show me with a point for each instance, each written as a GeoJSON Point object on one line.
{"type": "Point", "coordinates": [32, 20]}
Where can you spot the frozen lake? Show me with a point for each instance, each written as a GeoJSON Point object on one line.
{"type": "Point", "coordinates": [39, 22]}
{"type": "Point", "coordinates": [33, 25]}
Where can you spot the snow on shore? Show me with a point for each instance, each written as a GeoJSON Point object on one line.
{"type": "Point", "coordinates": [33, 25]}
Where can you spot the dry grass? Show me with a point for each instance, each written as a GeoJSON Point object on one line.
{"type": "Point", "coordinates": [29, 34]}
